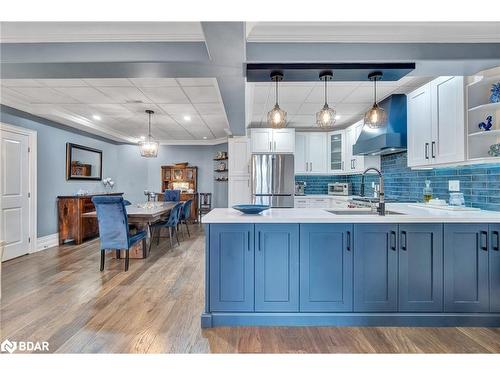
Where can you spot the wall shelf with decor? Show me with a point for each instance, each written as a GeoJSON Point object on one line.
{"type": "Point", "coordinates": [483, 118]}
{"type": "Point", "coordinates": [221, 167]}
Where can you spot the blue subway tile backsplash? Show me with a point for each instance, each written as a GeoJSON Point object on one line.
{"type": "Point", "coordinates": [480, 183]}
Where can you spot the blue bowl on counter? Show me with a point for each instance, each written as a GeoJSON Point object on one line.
{"type": "Point", "coordinates": [251, 209]}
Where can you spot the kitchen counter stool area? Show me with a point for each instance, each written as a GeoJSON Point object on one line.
{"type": "Point", "coordinates": [342, 274]}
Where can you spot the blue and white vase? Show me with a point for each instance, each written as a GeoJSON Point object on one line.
{"type": "Point", "coordinates": [495, 93]}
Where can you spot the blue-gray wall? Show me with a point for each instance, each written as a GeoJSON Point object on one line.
{"type": "Point", "coordinates": [480, 183]}
{"type": "Point", "coordinates": [123, 163]}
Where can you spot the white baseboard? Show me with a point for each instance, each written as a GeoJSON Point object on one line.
{"type": "Point", "coordinates": [45, 242]}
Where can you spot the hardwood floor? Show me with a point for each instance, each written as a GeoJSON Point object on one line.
{"type": "Point", "coordinates": [59, 295]}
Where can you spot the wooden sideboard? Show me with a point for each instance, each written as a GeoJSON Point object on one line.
{"type": "Point", "coordinates": [72, 226]}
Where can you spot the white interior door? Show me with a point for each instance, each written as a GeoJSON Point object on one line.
{"type": "Point", "coordinates": [14, 193]}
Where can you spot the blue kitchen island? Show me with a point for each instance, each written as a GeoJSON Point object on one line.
{"type": "Point", "coordinates": [311, 267]}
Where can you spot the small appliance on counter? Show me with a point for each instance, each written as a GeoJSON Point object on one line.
{"type": "Point", "coordinates": [300, 187]}
{"type": "Point", "coordinates": [339, 188]}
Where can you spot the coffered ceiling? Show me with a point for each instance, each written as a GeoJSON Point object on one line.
{"type": "Point", "coordinates": [303, 100]}
{"type": "Point", "coordinates": [187, 109]}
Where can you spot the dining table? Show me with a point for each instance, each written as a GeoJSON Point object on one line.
{"type": "Point", "coordinates": [142, 215]}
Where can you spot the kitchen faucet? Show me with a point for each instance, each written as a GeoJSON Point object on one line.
{"type": "Point", "coordinates": [381, 201]}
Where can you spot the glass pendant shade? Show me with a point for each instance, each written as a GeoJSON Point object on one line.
{"type": "Point", "coordinates": [276, 117]}
{"type": "Point", "coordinates": [376, 117]}
{"type": "Point", "coordinates": [149, 147]}
{"type": "Point", "coordinates": [326, 117]}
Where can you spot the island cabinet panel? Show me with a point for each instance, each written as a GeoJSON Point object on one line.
{"type": "Point", "coordinates": [494, 262]}
{"type": "Point", "coordinates": [277, 267]}
{"type": "Point", "coordinates": [231, 267]}
{"type": "Point", "coordinates": [466, 268]}
{"type": "Point", "coordinates": [375, 267]}
{"type": "Point", "coordinates": [326, 263]}
{"type": "Point", "coordinates": [420, 267]}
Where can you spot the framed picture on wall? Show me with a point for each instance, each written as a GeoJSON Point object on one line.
{"type": "Point", "coordinates": [83, 163]}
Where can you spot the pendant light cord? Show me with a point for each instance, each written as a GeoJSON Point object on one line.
{"type": "Point", "coordinates": [375, 90]}
{"type": "Point", "coordinates": [149, 127]}
{"type": "Point", "coordinates": [276, 79]}
{"type": "Point", "coordinates": [326, 92]}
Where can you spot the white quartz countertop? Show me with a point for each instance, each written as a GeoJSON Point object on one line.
{"type": "Point", "coordinates": [315, 215]}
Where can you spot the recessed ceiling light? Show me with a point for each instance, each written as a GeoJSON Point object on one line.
{"type": "Point", "coordinates": [143, 137]}
{"type": "Point", "coordinates": [204, 137]}
{"type": "Point", "coordinates": [96, 117]}
{"type": "Point", "coordinates": [187, 118]}
{"type": "Point", "coordinates": [337, 117]}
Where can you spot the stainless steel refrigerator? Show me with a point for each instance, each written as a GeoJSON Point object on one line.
{"type": "Point", "coordinates": [273, 181]}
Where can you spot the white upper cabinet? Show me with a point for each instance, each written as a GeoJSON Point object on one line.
{"type": "Point", "coordinates": [239, 156]}
{"type": "Point", "coordinates": [336, 151]}
{"type": "Point", "coordinates": [273, 140]}
{"type": "Point", "coordinates": [436, 123]}
{"type": "Point", "coordinates": [310, 153]}
{"type": "Point", "coordinates": [357, 163]}
{"type": "Point", "coordinates": [419, 122]}
{"type": "Point", "coordinates": [448, 122]}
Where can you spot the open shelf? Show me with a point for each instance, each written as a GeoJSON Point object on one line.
{"type": "Point", "coordinates": [221, 170]}
{"type": "Point", "coordinates": [494, 132]}
{"type": "Point", "coordinates": [486, 107]}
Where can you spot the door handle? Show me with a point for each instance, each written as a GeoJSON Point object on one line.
{"type": "Point", "coordinates": [348, 240]}
{"type": "Point", "coordinates": [495, 245]}
{"type": "Point", "coordinates": [433, 144]}
{"type": "Point", "coordinates": [483, 235]}
{"type": "Point", "coordinates": [427, 150]}
{"type": "Point", "coordinates": [258, 241]}
{"type": "Point", "coordinates": [393, 240]}
{"type": "Point", "coordinates": [248, 240]}
{"type": "Point", "coordinates": [403, 240]}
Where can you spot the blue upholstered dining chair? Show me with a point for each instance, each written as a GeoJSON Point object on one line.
{"type": "Point", "coordinates": [171, 223]}
{"type": "Point", "coordinates": [113, 227]}
{"type": "Point", "coordinates": [172, 195]}
{"type": "Point", "coordinates": [185, 215]}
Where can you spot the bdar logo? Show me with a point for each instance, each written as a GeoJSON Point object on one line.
{"type": "Point", "coordinates": [8, 346]}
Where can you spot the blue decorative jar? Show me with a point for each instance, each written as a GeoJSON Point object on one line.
{"type": "Point", "coordinates": [495, 93]}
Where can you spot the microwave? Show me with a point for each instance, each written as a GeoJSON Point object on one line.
{"type": "Point", "coordinates": [339, 188]}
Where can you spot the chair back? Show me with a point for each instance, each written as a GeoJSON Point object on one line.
{"type": "Point", "coordinates": [113, 222]}
{"type": "Point", "coordinates": [205, 199]}
{"type": "Point", "coordinates": [174, 216]}
{"type": "Point", "coordinates": [126, 202]}
{"type": "Point", "coordinates": [172, 195]}
{"type": "Point", "coordinates": [186, 209]}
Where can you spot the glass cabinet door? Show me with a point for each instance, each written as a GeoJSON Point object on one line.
{"type": "Point", "coordinates": [336, 162]}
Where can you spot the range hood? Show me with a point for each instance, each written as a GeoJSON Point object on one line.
{"type": "Point", "coordinates": [389, 139]}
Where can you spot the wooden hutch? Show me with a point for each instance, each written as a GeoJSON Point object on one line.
{"type": "Point", "coordinates": [184, 177]}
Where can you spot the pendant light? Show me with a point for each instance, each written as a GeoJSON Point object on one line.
{"type": "Point", "coordinates": [276, 117]}
{"type": "Point", "coordinates": [375, 117]}
{"type": "Point", "coordinates": [149, 147]}
{"type": "Point", "coordinates": [326, 117]}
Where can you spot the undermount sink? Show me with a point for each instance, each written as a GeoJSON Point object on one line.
{"type": "Point", "coordinates": [359, 212]}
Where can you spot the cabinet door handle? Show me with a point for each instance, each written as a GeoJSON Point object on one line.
{"type": "Point", "coordinates": [274, 145]}
{"type": "Point", "coordinates": [433, 154]}
{"type": "Point", "coordinates": [348, 240]}
{"type": "Point", "coordinates": [403, 240]}
{"type": "Point", "coordinates": [248, 240]}
{"type": "Point", "coordinates": [483, 240]}
{"type": "Point", "coordinates": [393, 240]}
{"type": "Point", "coordinates": [342, 165]}
{"type": "Point", "coordinates": [270, 146]}
{"type": "Point", "coordinates": [355, 163]}
{"type": "Point", "coordinates": [495, 244]}
{"type": "Point", "coordinates": [258, 240]}
{"type": "Point", "coordinates": [310, 166]}
{"type": "Point", "coordinates": [427, 150]}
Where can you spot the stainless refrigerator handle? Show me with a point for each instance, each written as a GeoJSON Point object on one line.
{"type": "Point", "coordinates": [274, 145]}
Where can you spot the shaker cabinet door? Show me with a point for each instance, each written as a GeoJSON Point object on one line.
{"type": "Point", "coordinates": [420, 267]}
{"type": "Point", "coordinates": [466, 268]}
{"type": "Point", "coordinates": [276, 267]}
{"type": "Point", "coordinates": [326, 267]}
{"type": "Point", "coordinates": [231, 267]}
{"type": "Point", "coordinates": [494, 262]}
{"type": "Point", "coordinates": [375, 267]}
